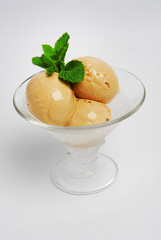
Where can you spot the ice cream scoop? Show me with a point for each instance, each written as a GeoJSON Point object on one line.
{"type": "Point", "coordinates": [88, 112]}
{"type": "Point", "coordinates": [100, 82]}
{"type": "Point", "coordinates": [49, 99]}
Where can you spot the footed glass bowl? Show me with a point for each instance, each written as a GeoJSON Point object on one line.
{"type": "Point", "coordinates": [84, 170]}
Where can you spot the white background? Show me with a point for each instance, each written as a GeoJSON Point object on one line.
{"type": "Point", "coordinates": [124, 33]}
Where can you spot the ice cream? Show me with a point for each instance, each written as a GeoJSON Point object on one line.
{"type": "Point", "coordinates": [51, 94]}
{"type": "Point", "coordinates": [100, 82]}
{"type": "Point", "coordinates": [88, 112]}
{"type": "Point", "coordinates": [50, 100]}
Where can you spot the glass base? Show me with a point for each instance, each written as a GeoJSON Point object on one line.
{"type": "Point", "coordinates": [85, 179]}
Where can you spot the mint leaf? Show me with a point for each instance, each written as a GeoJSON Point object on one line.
{"type": "Point", "coordinates": [63, 53]}
{"type": "Point", "coordinates": [46, 61]}
{"type": "Point", "coordinates": [42, 61]}
{"type": "Point", "coordinates": [73, 72]}
{"type": "Point", "coordinates": [62, 42]}
{"type": "Point", "coordinates": [38, 61]}
{"type": "Point", "coordinates": [48, 50]}
{"type": "Point", "coordinates": [50, 70]}
{"type": "Point", "coordinates": [61, 47]}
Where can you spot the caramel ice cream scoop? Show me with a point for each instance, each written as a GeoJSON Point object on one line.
{"type": "Point", "coordinates": [50, 100]}
{"type": "Point", "coordinates": [88, 112]}
{"type": "Point", "coordinates": [100, 82]}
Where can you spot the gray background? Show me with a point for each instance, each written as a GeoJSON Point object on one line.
{"type": "Point", "coordinates": [123, 33]}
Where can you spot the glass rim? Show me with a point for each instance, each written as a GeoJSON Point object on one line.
{"type": "Point", "coordinates": [68, 128]}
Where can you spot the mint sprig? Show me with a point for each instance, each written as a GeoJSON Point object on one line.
{"type": "Point", "coordinates": [53, 60]}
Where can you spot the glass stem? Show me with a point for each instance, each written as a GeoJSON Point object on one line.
{"type": "Point", "coordinates": [83, 161]}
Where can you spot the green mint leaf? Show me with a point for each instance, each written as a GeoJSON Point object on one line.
{"type": "Point", "coordinates": [42, 61]}
{"type": "Point", "coordinates": [63, 53]}
{"type": "Point", "coordinates": [38, 61]}
{"type": "Point", "coordinates": [61, 47]}
{"type": "Point", "coordinates": [62, 42]}
{"type": "Point", "coordinates": [50, 70]}
{"type": "Point", "coordinates": [48, 50]}
{"type": "Point", "coordinates": [73, 72]}
{"type": "Point", "coordinates": [46, 61]}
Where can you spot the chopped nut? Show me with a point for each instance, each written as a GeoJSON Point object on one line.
{"type": "Point", "coordinates": [107, 84]}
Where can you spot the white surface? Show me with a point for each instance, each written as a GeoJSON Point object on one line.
{"type": "Point", "coordinates": [126, 34]}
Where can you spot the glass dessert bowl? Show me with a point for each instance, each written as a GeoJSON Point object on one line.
{"type": "Point", "coordinates": [84, 170]}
